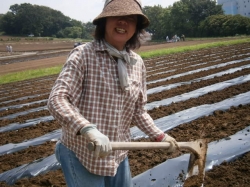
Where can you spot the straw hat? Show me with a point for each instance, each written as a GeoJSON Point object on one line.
{"type": "Point", "coordinates": [122, 8]}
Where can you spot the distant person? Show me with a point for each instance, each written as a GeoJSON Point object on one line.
{"type": "Point", "coordinates": [174, 38]}
{"type": "Point", "coordinates": [10, 49]}
{"type": "Point", "coordinates": [167, 39]}
{"type": "Point", "coordinates": [183, 37]}
{"type": "Point", "coordinates": [178, 39]}
{"type": "Point", "coordinates": [100, 91]}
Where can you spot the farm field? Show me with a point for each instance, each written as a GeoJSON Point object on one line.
{"type": "Point", "coordinates": [38, 54]}
{"type": "Point", "coordinates": [176, 83]}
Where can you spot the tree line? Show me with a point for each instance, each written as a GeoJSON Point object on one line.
{"type": "Point", "coordinates": [26, 19]}
{"type": "Point", "coordinates": [193, 18]}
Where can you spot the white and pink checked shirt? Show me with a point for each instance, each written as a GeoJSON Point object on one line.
{"type": "Point", "coordinates": [88, 91]}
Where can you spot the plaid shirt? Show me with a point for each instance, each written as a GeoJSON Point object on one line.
{"type": "Point", "coordinates": [87, 91]}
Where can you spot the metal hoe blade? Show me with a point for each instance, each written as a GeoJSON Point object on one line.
{"type": "Point", "coordinates": [196, 166]}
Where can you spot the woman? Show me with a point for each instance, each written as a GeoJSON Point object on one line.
{"type": "Point", "coordinates": [99, 92]}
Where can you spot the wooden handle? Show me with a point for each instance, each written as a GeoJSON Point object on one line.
{"type": "Point", "coordinates": [134, 145]}
{"type": "Point", "coordinates": [193, 146]}
{"type": "Point", "coordinates": [139, 145]}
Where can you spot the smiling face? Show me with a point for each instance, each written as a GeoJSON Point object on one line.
{"type": "Point", "coordinates": [119, 30]}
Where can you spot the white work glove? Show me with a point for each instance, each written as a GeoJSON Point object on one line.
{"type": "Point", "coordinates": [102, 144]}
{"type": "Point", "coordinates": [172, 141]}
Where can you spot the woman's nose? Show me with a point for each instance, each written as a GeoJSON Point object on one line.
{"type": "Point", "coordinates": [123, 21]}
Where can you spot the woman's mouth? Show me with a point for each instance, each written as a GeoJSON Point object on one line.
{"type": "Point", "coordinates": [120, 30]}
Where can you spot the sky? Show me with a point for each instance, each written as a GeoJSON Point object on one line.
{"type": "Point", "coordinates": [81, 10]}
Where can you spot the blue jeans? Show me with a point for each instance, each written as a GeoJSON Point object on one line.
{"type": "Point", "coordinates": [76, 175]}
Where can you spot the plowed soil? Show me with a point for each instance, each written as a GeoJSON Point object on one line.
{"type": "Point", "coordinates": [219, 125]}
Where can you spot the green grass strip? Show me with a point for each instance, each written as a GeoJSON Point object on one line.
{"type": "Point", "coordinates": [29, 74]}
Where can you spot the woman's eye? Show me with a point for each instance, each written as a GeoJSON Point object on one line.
{"type": "Point", "coordinates": [132, 19]}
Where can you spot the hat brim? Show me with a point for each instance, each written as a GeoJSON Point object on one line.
{"type": "Point", "coordinates": [122, 8]}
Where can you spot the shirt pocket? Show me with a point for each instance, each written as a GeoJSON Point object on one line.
{"type": "Point", "coordinates": [134, 90]}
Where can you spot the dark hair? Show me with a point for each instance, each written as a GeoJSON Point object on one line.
{"type": "Point", "coordinates": [133, 43]}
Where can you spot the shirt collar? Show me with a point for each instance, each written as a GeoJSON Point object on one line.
{"type": "Point", "coordinates": [100, 46]}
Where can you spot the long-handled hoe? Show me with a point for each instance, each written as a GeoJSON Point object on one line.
{"type": "Point", "coordinates": [197, 149]}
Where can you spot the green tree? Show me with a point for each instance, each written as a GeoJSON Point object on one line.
{"type": "Point", "coordinates": [72, 32]}
{"type": "Point", "coordinates": [180, 19]}
{"type": "Point", "coordinates": [225, 25]}
{"type": "Point", "coordinates": [88, 30]}
{"type": "Point", "coordinates": [25, 18]}
{"type": "Point", "coordinates": [167, 27]}
{"type": "Point", "coordinates": [236, 24]}
{"type": "Point", "coordinates": [211, 26]}
{"type": "Point", "coordinates": [156, 15]}
{"type": "Point", "coordinates": [8, 23]}
{"type": "Point", "coordinates": [187, 14]}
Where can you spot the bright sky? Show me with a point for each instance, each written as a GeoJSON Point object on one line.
{"type": "Point", "coordinates": [81, 10]}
